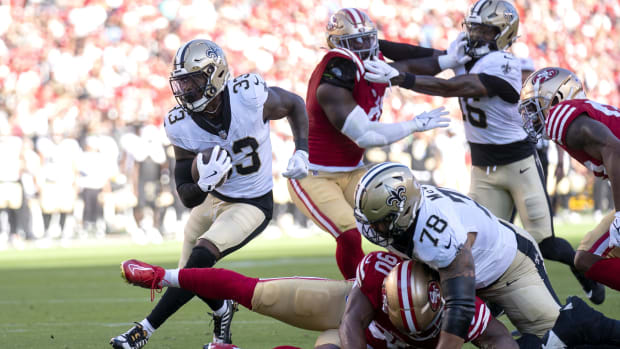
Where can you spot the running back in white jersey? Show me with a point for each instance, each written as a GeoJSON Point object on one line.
{"type": "Point", "coordinates": [492, 120]}
{"type": "Point", "coordinates": [443, 221]}
{"type": "Point", "coordinates": [247, 139]}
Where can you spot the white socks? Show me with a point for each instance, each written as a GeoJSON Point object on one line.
{"type": "Point", "coordinates": [171, 278]}
{"type": "Point", "coordinates": [147, 326]}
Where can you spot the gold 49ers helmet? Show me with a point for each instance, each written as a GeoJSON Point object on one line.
{"type": "Point", "coordinates": [412, 299]}
{"type": "Point", "coordinates": [352, 29]}
{"type": "Point", "coordinates": [200, 73]}
{"type": "Point", "coordinates": [491, 25]}
{"type": "Point", "coordinates": [386, 201]}
{"type": "Point", "coordinates": [543, 89]}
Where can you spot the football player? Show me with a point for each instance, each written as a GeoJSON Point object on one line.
{"type": "Point", "coordinates": [401, 302]}
{"type": "Point", "coordinates": [231, 116]}
{"type": "Point", "coordinates": [474, 252]}
{"type": "Point", "coordinates": [505, 172]}
{"type": "Point", "coordinates": [554, 106]}
{"type": "Point", "coordinates": [343, 112]}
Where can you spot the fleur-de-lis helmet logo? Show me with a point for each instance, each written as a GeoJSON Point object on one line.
{"type": "Point", "coordinates": [396, 196]}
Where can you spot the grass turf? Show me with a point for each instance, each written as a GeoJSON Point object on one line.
{"type": "Point", "coordinates": [74, 297]}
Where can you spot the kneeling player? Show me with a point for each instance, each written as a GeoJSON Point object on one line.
{"type": "Point", "coordinates": [401, 302]}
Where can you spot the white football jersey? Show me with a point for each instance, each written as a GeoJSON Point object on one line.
{"type": "Point", "coordinates": [443, 221]}
{"type": "Point", "coordinates": [247, 139]}
{"type": "Point", "coordinates": [492, 120]}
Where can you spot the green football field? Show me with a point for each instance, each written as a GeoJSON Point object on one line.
{"type": "Point", "coordinates": [74, 297]}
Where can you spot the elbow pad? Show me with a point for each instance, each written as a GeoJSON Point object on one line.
{"type": "Point", "coordinates": [368, 134]}
{"type": "Point", "coordinates": [460, 308]}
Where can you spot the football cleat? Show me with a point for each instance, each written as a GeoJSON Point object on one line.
{"type": "Point", "coordinates": [572, 325]}
{"type": "Point", "coordinates": [595, 291]}
{"type": "Point", "coordinates": [221, 324]}
{"type": "Point", "coordinates": [143, 274]}
{"type": "Point", "coordinates": [135, 338]}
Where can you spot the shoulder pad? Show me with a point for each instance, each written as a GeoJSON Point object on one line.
{"type": "Point", "coordinates": [250, 89]}
{"type": "Point", "coordinates": [340, 71]}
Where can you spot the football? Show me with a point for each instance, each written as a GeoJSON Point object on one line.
{"type": "Point", "coordinates": [206, 156]}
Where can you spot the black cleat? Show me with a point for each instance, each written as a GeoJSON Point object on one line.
{"type": "Point", "coordinates": [135, 338]}
{"type": "Point", "coordinates": [595, 291]}
{"type": "Point", "coordinates": [572, 325]}
{"type": "Point", "coordinates": [221, 324]}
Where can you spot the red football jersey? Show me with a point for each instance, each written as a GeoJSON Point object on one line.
{"type": "Point", "coordinates": [562, 114]}
{"type": "Point", "coordinates": [381, 334]}
{"type": "Point", "coordinates": [328, 147]}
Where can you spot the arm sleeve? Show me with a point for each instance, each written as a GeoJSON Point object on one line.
{"type": "Point", "coordinates": [460, 308]}
{"type": "Point", "coordinates": [189, 192]}
{"type": "Point", "coordinates": [398, 51]}
{"type": "Point", "coordinates": [368, 134]}
{"type": "Point", "coordinates": [340, 72]}
{"type": "Point", "coordinates": [499, 87]}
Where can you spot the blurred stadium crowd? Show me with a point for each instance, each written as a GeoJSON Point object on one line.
{"type": "Point", "coordinates": [84, 87]}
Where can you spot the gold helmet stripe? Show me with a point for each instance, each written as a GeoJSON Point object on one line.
{"type": "Point", "coordinates": [405, 298]}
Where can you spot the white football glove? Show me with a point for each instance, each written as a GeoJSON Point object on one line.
{"type": "Point", "coordinates": [379, 71]}
{"type": "Point", "coordinates": [297, 165]}
{"type": "Point", "coordinates": [455, 55]}
{"type": "Point", "coordinates": [432, 119]}
{"type": "Point", "coordinates": [212, 172]}
{"type": "Point", "coordinates": [614, 231]}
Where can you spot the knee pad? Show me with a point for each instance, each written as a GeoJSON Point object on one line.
{"type": "Point", "coordinates": [200, 257]}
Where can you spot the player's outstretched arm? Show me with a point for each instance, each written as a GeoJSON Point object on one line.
{"type": "Point", "coordinates": [282, 103]}
{"type": "Point", "coordinates": [398, 51]}
{"type": "Point", "coordinates": [343, 113]}
{"type": "Point", "coordinates": [357, 316]}
{"type": "Point", "coordinates": [411, 58]}
{"type": "Point", "coordinates": [458, 286]}
{"type": "Point", "coordinates": [468, 85]}
{"type": "Point", "coordinates": [598, 141]}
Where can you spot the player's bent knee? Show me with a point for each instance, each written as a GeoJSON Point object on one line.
{"type": "Point", "coordinates": [329, 339]}
{"type": "Point", "coordinates": [201, 257]}
{"type": "Point", "coordinates": [305, 303]}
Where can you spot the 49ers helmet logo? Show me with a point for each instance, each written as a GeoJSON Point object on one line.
{"type": "Point", "coordinates": [544, 75]}
{"type": "Point", "coordinates": [434, 295]}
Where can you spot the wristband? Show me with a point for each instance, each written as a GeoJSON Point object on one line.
{"type": "Point", "coordinates": [301, 144]}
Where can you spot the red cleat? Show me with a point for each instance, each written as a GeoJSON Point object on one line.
{"type": "Point", "coordinates": [143, 274]}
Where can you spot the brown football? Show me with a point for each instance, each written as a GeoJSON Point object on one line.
{"type": "Point", "coordinates": [206, 156]}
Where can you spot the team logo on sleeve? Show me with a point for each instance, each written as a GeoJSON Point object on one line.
{"type": "Point", "coordinates": [396, 197]}
{"type": "Point", "coordinates": [544, 75]}
{"type": "Point", "coordinates": [434, 295]}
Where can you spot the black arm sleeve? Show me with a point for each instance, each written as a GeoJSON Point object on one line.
{"type": "Point", "coordinates": [189, 192]}
{"type": "Point", "coordinates": [397, 51]}
{"type": "Point", "coordinates": [499, 87]}
{"type": "Point", "coordinates": [460, 308]}
{"type": "Point", "coordinates": [340, 72]}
